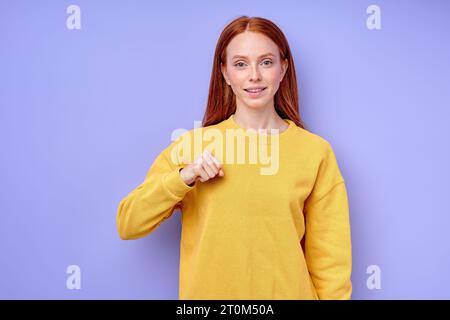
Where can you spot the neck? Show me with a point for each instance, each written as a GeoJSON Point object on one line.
{"type": "Point", "coordinates": [259, 119]}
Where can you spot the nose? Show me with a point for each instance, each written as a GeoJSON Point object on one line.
{"type": "Point", "coordinates": [255, 74]}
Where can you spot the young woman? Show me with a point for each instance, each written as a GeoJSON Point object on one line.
{"type": "Point", "coordinates": [255, 224]}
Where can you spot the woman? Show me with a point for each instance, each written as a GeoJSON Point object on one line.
{"type": "Point", "coordinates": [255, 224]}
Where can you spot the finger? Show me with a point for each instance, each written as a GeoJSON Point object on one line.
{"type": "Point", "coordinates": [221, 172]}
{"type": "Point", "coordinates": [216, 162]}
{"type": "Point", "coordinates": [202, 173]}
{"type": "Point", "coordinates": [218, 166]}
{"type": "Point", "coordinates": [207, 167]}
{"type": "Point", "coordinates": [211, 164]}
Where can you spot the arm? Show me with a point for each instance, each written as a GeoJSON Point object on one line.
{"type": "Point", "coordinates": [327, 236]}
{"type": "Point", "coordinates": [153, 201]}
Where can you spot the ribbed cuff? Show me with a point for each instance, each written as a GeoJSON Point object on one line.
{"type": "Point", "coordinates": [173, 182]}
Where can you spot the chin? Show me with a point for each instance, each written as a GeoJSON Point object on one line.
{"type": "Point", "coordinates": [256, 104]}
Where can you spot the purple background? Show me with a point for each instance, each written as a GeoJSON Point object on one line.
{"type": "Point", "coordinates": [85, 112]}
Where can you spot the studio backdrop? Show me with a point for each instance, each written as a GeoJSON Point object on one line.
{"type": "Point", "coordinates": [92, 91]}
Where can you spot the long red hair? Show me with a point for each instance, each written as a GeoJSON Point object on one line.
{"type": "Point", "coordinates": [221, 99]}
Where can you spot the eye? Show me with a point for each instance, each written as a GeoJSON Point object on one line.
{"type": "Point", "coordinates": [240, 63]}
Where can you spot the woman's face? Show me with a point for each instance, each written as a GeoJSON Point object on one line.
{"type": "Point", "coordinates": [253, 60]}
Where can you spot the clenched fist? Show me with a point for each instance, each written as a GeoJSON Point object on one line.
{"type": "Point", "coordinates": [205, 167]}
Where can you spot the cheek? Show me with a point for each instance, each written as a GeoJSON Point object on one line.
{"type": "Point", "coordinates": [237, 78]}
{"type": "Point", "coordinates": [273, 76]}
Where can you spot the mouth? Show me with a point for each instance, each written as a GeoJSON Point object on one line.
{"type": "Point", "coordinates": [255, 93]}
{"type": "Point", "coordinates": [256, 90]}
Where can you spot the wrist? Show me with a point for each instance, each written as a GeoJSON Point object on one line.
{"type": "Point", "coordinates": [189, 181]}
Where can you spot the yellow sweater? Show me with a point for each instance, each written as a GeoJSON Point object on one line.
{"type": "Point", "coordinates": [275, 229]}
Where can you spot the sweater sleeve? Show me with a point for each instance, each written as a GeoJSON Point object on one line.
{"type": "Point", "coordinates": [154, 200]}
{"type": "Point", "coordinates": [327, 242]}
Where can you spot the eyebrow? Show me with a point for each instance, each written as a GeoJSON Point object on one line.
{"type": "Point", "coordinates": [244, 57]}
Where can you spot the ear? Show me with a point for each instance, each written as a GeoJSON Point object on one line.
{"type": "Point", "coordinates": [224, 73]}
{"type": "Point", "coordinates": [284, 68]}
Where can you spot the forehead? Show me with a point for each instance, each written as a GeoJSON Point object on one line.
{"type": "Point", "coordinates": [252, 45]}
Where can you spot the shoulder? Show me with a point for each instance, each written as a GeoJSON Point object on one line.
{"type": "Point", "coordinates": [322, 152]}
{"type": "Point", "coordinates": [310, 141]}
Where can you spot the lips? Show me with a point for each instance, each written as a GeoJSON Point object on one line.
{"type": "Point", "coordinates": [255, 94]}
{"type": "Point", "coordinates": [256, 90]}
